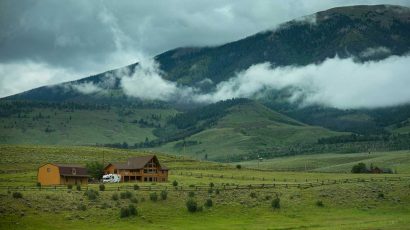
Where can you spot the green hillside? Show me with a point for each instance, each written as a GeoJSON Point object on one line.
{"type": "Point", "coordinates": [246, 129]}
{"type": "Point", "coordinates": [80, 126]}
{"type": "Point", "coordinates": [333, 162]}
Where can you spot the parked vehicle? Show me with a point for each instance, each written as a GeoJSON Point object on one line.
{"type": "Point", "coordinates": [111, 178]}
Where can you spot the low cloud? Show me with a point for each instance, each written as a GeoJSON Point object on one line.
{"type": "Point", "coordinates": [340, 83]}
{"type": "Point", "coordinates": [336, 82]}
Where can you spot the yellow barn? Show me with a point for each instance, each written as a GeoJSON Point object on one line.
{"type": "Point", "coordinates": [60, 174]}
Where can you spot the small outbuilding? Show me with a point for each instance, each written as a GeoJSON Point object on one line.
{"type": "Point", "coordinates": [61, 174]}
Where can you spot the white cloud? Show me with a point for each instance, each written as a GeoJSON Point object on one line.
{"type": "Point", "coordinates": [340, 83]}
{"type": "Point", "coordinates": [22, 76]}
{"type": "Point", "coordinates": [336, 82]}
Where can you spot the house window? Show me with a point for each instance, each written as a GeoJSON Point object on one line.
{"type": "Point", "coordinates": [73, 171]}
{"type": "Point", "coordinates": [48, 169]}
{"type": "Point", "coordinates": [115, 171]}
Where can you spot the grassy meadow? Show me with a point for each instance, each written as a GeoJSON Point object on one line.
{"type": "Point", "coordinates": [365, 202]}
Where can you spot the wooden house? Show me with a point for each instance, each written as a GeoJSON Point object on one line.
{"type": "Point", "coordinates": [60, 174]}
{"type": "Point", "coordinates": [143, 169]}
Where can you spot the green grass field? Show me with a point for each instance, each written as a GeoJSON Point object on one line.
{"type": "Point", "coordinates": [80, 127]}
{"type": "Point", "coordinates": [333, 162]}
{"type": "Point", "coordinates": [373, 202]}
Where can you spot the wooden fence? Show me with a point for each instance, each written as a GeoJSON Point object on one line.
{"type": "Point", "coordinates": [221, 187]}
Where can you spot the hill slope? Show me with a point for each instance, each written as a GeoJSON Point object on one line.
{"type": "Point", "coordinates": [245, 129]}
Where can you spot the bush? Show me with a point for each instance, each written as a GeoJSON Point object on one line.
{"type": "Point", "coordinates": [275, 203]}
{"type": "Point", "coordinates": [208, 203]}
{"type": "Point", "coordinates": [153, 196]}
{"type": "Point", "coordinates": [128, 211]}
{"type": "Point", "coordinates": [175, 183]}
{"type": "Point", "coordinates": [217, 191]}
{"type": "Point", "coordinates": [210, 190]}
{"type": "Point", "coordinates": [17, 195]}
{"type": "Point", "coordinates": [164, 195]}
{"type": "Point", "coordinates": [114, 196]}
{"type": "Point", "coordinates": [134, 200]}
{"type": "Point", "coordinates": [211, 185]}
{"type": "Point", "coordinates": [359, 168]}
{"type": "Point", "coordinates": [91, 194]}
{"type": "Point", "coordinates": [132, 210]}
{"type": "Point", "coordinates": [191, 194]}
{"type": "Point", "coordinates": [191, 205]}
{"type": "Point", "coordinates": [124, 212]}
{"type": "Point", "coordinates": [81, 207]}
{"type": "Point", "coordinates": [69, 186]}
{"type": "Point", "coordinates": [380, 195]}
{"type": "Point", "coordinates": [136, 187]}
{"type": "Point", "coordinates": [253, 195]}
{"type": "Point", "coordinates": [38, 184]}
{"type": "Point", "coordinates": [78, 187]}
{"type": "Point", "coordinates": [126, 195]}
{"type": "Point", "coordinates": [102, 187]}
{"type": "Point", "coordinates": [319, 203]}
{"type": "Point", "coordinates": [238, 166]}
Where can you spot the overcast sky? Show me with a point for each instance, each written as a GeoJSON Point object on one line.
{"type": "Point", "coordinates": [46, 42]}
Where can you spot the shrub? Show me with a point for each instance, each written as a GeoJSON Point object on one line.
{"type": "Point", "coordinates": [136, 187]}
{"type": "Point", "coordinates": [114, 196]}
{"type": "Point", "coordinates": [69, 186]}
{"type": "Point", "coordinates": [38, 184]}
{"type": "Point", "coordinates": [268, 197]}
{"type": "Point", "coordinates": [208, 203]}
{"type": "Point", "coordinates": [81, 207]}
{"type": "Point", "coordinates": [102, 187]}
{"type": "Point", "coordinates": [217, 191]}
{"type": "Point", "coordinates": [153, 196]}
{"type": "Point", "coordinates": [134, 200]}
{"type": "Point", "coordinates": [126, 195]}
{"type": "Point", "coordinates": [132, 210]}
{"type": "Point", "coordinates": [78, 187]}
{"type": "Point", "coordinates": [17, 195]}
{"type": "Point", "coordinates": [164, 195]}
{"type": "Point", "coordinates": [175, 183]}
{"type": "Point", "coordinates": [191, 194]}
{"type": "Point", "coordinates": [275, 203]}
{"type": "Point", "coordinates": [253, 195]}
{"type": "Point", "coordinates": [380, 195]}
{"type": "Point", "coordinates": [91, 194]}
{"type": "Point", "coordinates": [124, 212]}
{"type": "Point", "coordinates": [191, 205]}
{"type": "Point", "coordinates": [319, 203]}
{"type": "Point", "coordinates": [359, 168]}
{"type": "Point", "coordinates": [238, 166]}
{"type": "Point", "coordinates": [105, 206]}
{"type": "Point", "coordinates": [211, 185]}
{"type": "Point", "coordinates": [210, 190]}
{"type": "Point", "coordinates": [128, 211]}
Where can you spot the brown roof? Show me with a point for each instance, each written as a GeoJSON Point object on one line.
{"type": "Point", "coordinates": [72, 170]}
{"type": "Point", "coordinates": [137, 162]}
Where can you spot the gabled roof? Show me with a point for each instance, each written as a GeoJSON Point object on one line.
{"type": "Point", "coordinates": [71, 170]}
{"type": "Point", "coordinates": [136, 163]}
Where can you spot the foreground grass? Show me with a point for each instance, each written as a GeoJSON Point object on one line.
{"type": "Point", "coordinates": [355, 205]}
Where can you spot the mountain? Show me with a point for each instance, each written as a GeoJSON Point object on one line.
{"type": "Point", "coordinates": [364, 32]}
{"type": "Point", "coordinates": [74, 113]}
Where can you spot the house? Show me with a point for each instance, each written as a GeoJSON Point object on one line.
{"type": "Point", "coordinates": [144, 168]}
{"type": "Point", "coordinates": [59, 174]}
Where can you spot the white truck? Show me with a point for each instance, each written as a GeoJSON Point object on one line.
{"type": "Point", "coordinates": [111, 178]}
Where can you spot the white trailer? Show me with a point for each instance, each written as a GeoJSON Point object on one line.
{"type": "Point", "coordinates": [111, 178]}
